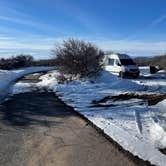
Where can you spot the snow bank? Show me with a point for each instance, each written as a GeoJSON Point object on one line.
{"type": "Point", "coordinates": [133, 124]}
{"type": "Point", "coordinates": [7, 77]}
{"type": "Point", "coordinates": [144, 70]}
{"type": "Point", "coordinates": [158, 135]}
{"type": "Point", "coordinates": [160, 74]}
{"type": "Point", "coordinates": [21, 87]}
{"type": "Point", "coordinates": [137, 127]}
{"type": "Point", "coordinates": [153, 82]}
{"type": "Point", "coordinates": [113, 82]}
{"type": "Point", "coordinates": [162, 106]}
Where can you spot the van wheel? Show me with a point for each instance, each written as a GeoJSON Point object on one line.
{"type": "Point", "coordinates": [121, 74]}
{"type": "Point", "coordinates": [136, 75]}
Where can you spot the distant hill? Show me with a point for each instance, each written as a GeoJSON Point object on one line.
{"type": "Point", "coordinates": [156, 60]}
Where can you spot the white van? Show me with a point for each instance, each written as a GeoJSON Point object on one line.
{"type": "Point", "coordinates": [121, 65]}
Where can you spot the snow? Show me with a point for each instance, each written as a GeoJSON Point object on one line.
{"type": "Point", "coordinates": [21, 87]}
{"type": "Point", "coordinates": [162, 106]}
{"type": "Point", "coordinates": [133, 124]}
{"type": "Point", "coordinates": [8, 77]}
{"type": "Point", "coordinates": [153, 82]}
{"type": "Point", "coordinates": [113, 82]}
{"type": "Point", "coordinates": [136, 126]}
{"type": "Point", "coordinates": [144, 70]}
{"type": "Point", "coordinates": [158, 135]}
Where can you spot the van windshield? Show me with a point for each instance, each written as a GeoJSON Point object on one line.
{"type": "Point", "coordinates": [127, 62]}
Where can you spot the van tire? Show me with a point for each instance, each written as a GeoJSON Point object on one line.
{"type": "Point", "coordinates": [136, 75]}
{"type": "Point", "coordinates": [121, 74]}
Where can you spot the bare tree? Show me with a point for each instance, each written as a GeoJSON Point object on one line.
{"type": "Point", "coordinates": [78, 58]}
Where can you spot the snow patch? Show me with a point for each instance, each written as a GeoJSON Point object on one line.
{"type": "Point", "coordinates": [8, 77]}
{"type": "Point", "coordinates": [158, 135]}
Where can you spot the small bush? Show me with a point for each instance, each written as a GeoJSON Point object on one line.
{"type": "Point", "coordinates": [61, 79]}
{"type": "Point", "coordinates": [78, 58]}
{"type": "Point", "coordinates": [16, 62]}
{"type": "Point", "coordinates": [159, 61]}
{"type": "Point", "coordinates": [23, 60]}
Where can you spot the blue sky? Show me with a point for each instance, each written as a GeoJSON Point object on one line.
{"type": "Point", "coordinates": [128, 26]}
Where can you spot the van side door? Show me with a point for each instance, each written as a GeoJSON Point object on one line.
{"type": "Point", "coordinates": [110, 65]}
{"type": "Point", "coordinates": [117, 66]}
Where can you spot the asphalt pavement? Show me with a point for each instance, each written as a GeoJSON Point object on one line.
{"type": "Point", "coordinates": [37, 129]}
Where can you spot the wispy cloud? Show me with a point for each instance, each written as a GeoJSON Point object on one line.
{"type": "Point", "coordinates": [133, 45]}
{"type": "Point", "coordinates": [137, 48]}
{"type": "Point", "coordinates": [43, 46]}
{"type": "Point", "coordinates": [13, 16]}
{"type": "Point", "coordinates": [34, 24]}
{"type": "Point", "coordinates": [5, 38]}
{"type": "Point", "coordinates": [85, 18]}
{"type": "Point", "coordinates": [37, 44]}
{"type": "Point", "coordinates": [158, 20]}
{"type": "Point", "coordinates": [142, 31]}
{"type": "Point", "coordinates": [38, 47]}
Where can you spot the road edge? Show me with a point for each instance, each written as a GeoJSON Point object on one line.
{"type": "Point", "coordinates": [128, 154]}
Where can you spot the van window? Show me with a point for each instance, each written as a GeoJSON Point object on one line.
{"type": "Point", "coordinates": [126, 62]}
{"type": "Point", "coordinates": [117, 62]}
{"type": "Point", "coordinates": [111, 62]}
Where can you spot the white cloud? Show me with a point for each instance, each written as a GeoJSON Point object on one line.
{"type": "Point", "coordinates": [5, 38]}
{"type": "Point", "coordinates": [158, 20]}
{"type": "Point", "coordinates": [35, 24]}
{"type": "Point", "coordinates": [37, 44]}
{"type": "Point", "coordinates": [14, 16]}
{"type": "Point", "coordinates": [133, 47]}
{"type": "Point", "coordinates": [123, 45]}
{"type": "Point", "coordinates": [10, 44]}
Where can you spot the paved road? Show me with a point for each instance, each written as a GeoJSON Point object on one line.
{"type": "Point", "coordinates": [36, 129]}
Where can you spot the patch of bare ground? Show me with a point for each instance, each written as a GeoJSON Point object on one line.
{"type": "Point", "coordinates": [151, 99]}
{"type": "Point", "coordinates": [163, 151]}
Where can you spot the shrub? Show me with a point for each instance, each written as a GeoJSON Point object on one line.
{"type": "Point", "coordinates": [16, 62]}
{"type": "Point", "coordinates": [22, 61]}
{"type": "Point", "coordinates": [152, 61]}
{"type": "Point", "coordinates": [78, 58]}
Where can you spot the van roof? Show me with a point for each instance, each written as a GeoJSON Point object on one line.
{"type": "Point", "coordinates": [119, 56]}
